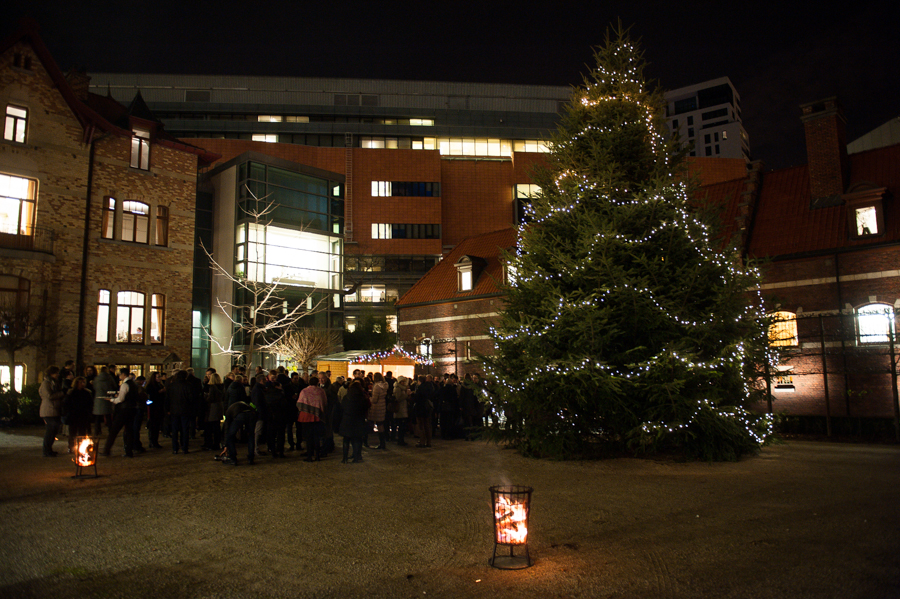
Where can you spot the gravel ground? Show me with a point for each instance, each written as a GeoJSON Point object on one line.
{"type": "Point", "coordinates": [800, 520]}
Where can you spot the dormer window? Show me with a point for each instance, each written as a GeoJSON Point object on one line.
{"type": "Point", "coordinates": [467, 270]}
{"type": "Point", "coordinates": [140, 149]}
{"type": "Point", "coordinates": [865, 211]}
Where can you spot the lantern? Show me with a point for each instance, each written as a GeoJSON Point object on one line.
{"type": "Point", "coordinates": [85, 456]}
{"type": "Point", "coordinates": [511, 505]}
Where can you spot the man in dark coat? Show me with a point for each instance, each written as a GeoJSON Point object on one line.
{"type": "Point", "coordinates": [181, 405]}
{"type": "Point", "coordinates": [239, 415]}
{"type": "Point", "coordinates": [353, 420]}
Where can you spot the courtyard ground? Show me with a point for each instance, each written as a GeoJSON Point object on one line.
{"type": "Point", "coordinates": [800, 520]}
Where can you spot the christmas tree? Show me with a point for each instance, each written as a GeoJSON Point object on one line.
{"type": "Point", "coordinates": [627, 321]}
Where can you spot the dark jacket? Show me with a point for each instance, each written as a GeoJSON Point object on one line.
{"type": "Point", "coordinates": [235, 393]}
{"type": "Point", "coordinates": [353, 412]}
{"type": "Point", "coordinates": [180, 399]}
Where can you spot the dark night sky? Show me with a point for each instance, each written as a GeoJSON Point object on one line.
{"type": "Point", "coordinates": [778, 54]}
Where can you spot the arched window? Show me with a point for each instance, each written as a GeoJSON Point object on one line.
{"type": "Point", "coordinates": [130, 317]}
{"type": "Point", "coordinates": [783, 330]}
{"type": "Point", "coordinates": [875, 323]}
{"type": "Point", "coordinates": [135, 221]}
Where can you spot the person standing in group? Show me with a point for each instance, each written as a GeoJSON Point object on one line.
{"type": "Point", "coordinates": [156, 408]}
{"type": "Point", "coordinates": [180, 400]}
{"type": "Point", "coordinates": [124, 408]}
{"type": "Point", "coordinates": [354, 407]}
{"type": "Point", "coordinates": [401, 408]}
{"type": "Point", "coordinates": [77, 406]}
{"type": "Point", "coordinates": [239, 415]}
{"type": "Point", "coordinates": [258, 398]}
{"type": "Point", "coordinates": [311, 405]}
{"type": "Point", "coordinates": [51, 408]}
{"type": "Point", "coordinates": [377, 412]}
{"type": "Point", "coordinates": [215, 410]}
{"type": "Point", "coordinates": [423, 409]}
{"type": "Point", "coordinates": [103, 384]}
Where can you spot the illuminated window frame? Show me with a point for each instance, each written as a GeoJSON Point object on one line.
{"type": "Point", "coordinates": [16, 123]}
{"type": "Point", "coordinates": [130, 310]}
{"type": "Point", "coordinates": [103, 310]}
{"type": "Point", "coordinates": [135, 221]}
{"type": "Point", "coordinates": [875, 323]}
{"type": "Point", "coordinates": [18, 195]}
{"type": "Point", "coordinates": [783, 330]}
{"type": "Point", "coordinates": [140, 149]}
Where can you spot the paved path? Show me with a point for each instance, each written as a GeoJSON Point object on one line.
{"type": "Point", "coordinates": [802, 520]}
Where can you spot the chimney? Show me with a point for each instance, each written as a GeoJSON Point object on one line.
{"type": "Point", "coordinates": [79, 81]}
{"type": "Point", "coordinates": [826, 150]}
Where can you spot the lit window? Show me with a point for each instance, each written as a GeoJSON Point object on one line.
{"type": "Point", "coordinates": [162, 226]}
{"type": "Point", "coordinates": [135, 221]}
{"type": "Point", "coordinates": [527, 190]}
{"type": "Point", "coordinates": [19, 375]}
{"type": "Point", "coordinates": [532, 145]}
{"type": "Point", "coordinates": [103, 317]}
{"type": "Point", "coordinates": [14, 295]}
{"type": "Point", "coordinates": [391, 323]}
{"type": "Point", "coordinates": [783, 330]}
{"type": "Point", "coordinates": [425, 348]}
{"type": "Point", "coordinates": [17, 200]}
{"type": "Point", "coordinates": [866, 221]}
{"type": "Point", "coordinates": [109, 216]}
{"type": "Point", "coordinates": [157, 317]}
{"type": "Point", "coordinates": [16, 118]}
{"type": "Point", "coordinates": [372, 294]}
{"type": "Point", "coordinates": [350, 323]}
{"type": "Point", "coordinates": [140, 149]}
{"type": "Point", "coordinates": [266, 137]}
{"type": "Point", "coordinates": [422, 122]}
{"type": "Point", "coordinates": [130, 317]}
{"type": "Point", "coordinates": [381, 189]}
{"type": "Point", "coordinates": [381, 231]}
{"type": "Point", "coordinates": [875, 323]}
{"type": "Point", "coordinates": [268, 118]}
{"type": "Point", "coordinates": [465, 280]}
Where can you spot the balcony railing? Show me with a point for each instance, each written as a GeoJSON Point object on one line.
{"type": "Point", "coordinates": [35, 239]}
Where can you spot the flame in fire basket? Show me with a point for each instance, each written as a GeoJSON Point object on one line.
{"type": "Point", "coordinates": [511, 521]}
{"type": "Point", "coordinates": [84, 453]}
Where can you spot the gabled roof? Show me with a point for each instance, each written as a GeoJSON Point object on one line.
{"type": "Point", "coordinates": [90, 115]}
{"type": "Point", "coordinates": [786, 225]}
{"type": "Point", "coordinates": [440, 283]}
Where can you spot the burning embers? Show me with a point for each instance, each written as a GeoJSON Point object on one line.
{"type": "Point", "coordinates": [511, 504]}
{"type": "Point", "coordinates": [85, 455]}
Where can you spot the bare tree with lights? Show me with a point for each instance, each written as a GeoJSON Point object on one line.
{"type": "Point", "coordinates": [261, 317]}
{"type": "Point", "coordinates": [304, 345]}
{"type": "Point", "coordinates": [628, 326]}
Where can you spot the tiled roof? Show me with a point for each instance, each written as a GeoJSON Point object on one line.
{"type": "Point", "coordinates": [726, 195]}
{"type": "Point", "coordinates": [785, 224]}
{"type": "Point", "coordinates": [439, 283]}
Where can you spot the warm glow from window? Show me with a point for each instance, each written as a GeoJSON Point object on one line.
{"type": "Point", "coordinates": [266, 137]}
{"type": "Point", "coordinates": [866, 221]}
{"type": "Point", "coordinates": [470, 146]}
{"type": "Point", "coordinates": [14, 130]}
{"type": "Point", "coordinates": [530, 145]}
{"type": "Point", "coordinates": [527, 190]}
{"type": "Point", "coordinates": [268, 118]}
{"type": "Point", "coordinates": [291, 257]}
{"type": "Point", "coordinates": [140, 149]}
{"type": "Point", "coordinates": [875, 322]}
{"type": "Point", "coordinates": [17, 199]}
{"type": "Point", "coordinates": [381, 189]}
{"type": "Point", "coordinates": [783, 330]}
{"type": "Point", "coordinates": [465, 280]}
{"type": "Point", "coordinates": [103, 317]}
{"type": "Point", "coordinates": [130, 317]}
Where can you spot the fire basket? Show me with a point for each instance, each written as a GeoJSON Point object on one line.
{"type": "Point", "coordinates": [85, 456]}
{"type": "Point", "coordinates": [511, 505]}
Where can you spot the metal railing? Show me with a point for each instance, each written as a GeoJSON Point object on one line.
{"type": "Point", "coordinates": [33, 239]}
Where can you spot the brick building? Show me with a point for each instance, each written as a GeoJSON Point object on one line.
{"type": "Point", "coordinates": [828, 238]}
{"type": "Point", "coordinates": [96, 223]}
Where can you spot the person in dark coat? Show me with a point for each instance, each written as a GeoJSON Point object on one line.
{"type": "Point", "coordinates": [239, 415]}
{"type": "Point", "coordinates": [156, 408]}
{"type": "Point", "coordinates": [181, 411]}
{"type": "Point", "coordinates": [198, 407]}
{"type": "Point", "coordinates": [235, 392]}
{"type": "Point", "coordinates": [258, 398]}
{"type": "Point", "coordinates": [77, 407]}
{"type": "Point", "coordinates": [277, 409]}
{"type": "Point", "coordinates": [215, 410]}
{"type": "Point", "coordinates": [423, 408]}
{"type": "Point", "coordinates": [353, 427]}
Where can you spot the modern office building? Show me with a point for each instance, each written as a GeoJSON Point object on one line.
{"type": "Point", "coordinates": [421, 166]}
{"type": "Point", "coordinates": [706, 117]}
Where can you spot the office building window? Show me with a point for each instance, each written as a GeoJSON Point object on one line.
{"type": "Point", "coordinates": [16, 119]}
{"type": "Point", "coordinates": [866, 219]}
{"type": "Point", "coordinates": [419, 189]}
{"type": "Point", "coordinates": [266, 137]}
{"type": "Point", "coordinates": [405, 231]}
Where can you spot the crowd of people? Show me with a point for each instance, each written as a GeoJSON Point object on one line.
{"type": "Point", "coordinates": [269, 411]}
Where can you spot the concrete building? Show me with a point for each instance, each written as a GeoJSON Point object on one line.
{"type": "Point", "coordinates": [96, 221]}
{"type": "Point", "coordinates": [706, 117]}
